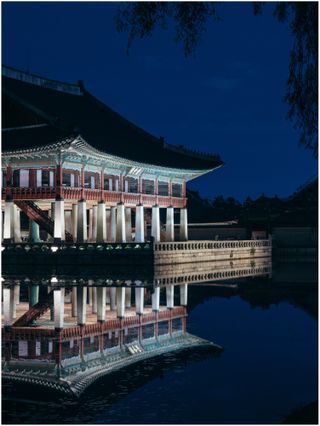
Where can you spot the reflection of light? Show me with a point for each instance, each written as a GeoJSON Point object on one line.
{"type": "Point", "coordinates": [54, 248]}
{"type": "Point", "coordinates": [2, 248]}
{"type": "Point", "coordinates": [54, 280]}
{"type": "Point", "coordinates": [2, 279]}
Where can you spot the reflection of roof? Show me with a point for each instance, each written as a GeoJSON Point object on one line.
{"type": "Point", "coordinates": [68, 111]}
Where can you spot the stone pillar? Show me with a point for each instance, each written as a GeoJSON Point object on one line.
{"type": "Point", "coordinates": [59, 230]}
{"type": "Point", "coordinates": [139, 299]}
{"type": "Point", "coordinates": [94, 300]}
{"type": "Point", "coordinates": [101, 223]}
{"type": "Point", "coordinates": [90, 225]}
{"type": "Point", "coordinates": [113, 303]}
{"type": "Point", "coordinates": [74, 218]}
{"type": "Point", "coordinates": [113, 224]}
{"type": "Point", "coordinates": [128, 225]}
{"type": "Point", "coordinates": [120, 302]}
{"type": "Point", "coordinates": [128, 298]}
{"type": "Point", "coordinates": [33, 295]}
{"type": "Point", "coordinates": [108, 296]}
{"type": "Point", "coordinates": [156, 299]}
{"type": "Point", "coordinates": [8, 296]}
{"type": "Point", "coordinates": [121, 224]}
{"type": "Point", "coordinates": [74, 302]}
{"type": "Point", "coordinates": [94, 223]}
{"type": "Point", "coordinates": [68, 221]}
{"type": "Point", "coordinates": [16, 299]}
{"type": "Point", "coordinates": [82, 222]}
{"type": "Point", "coordinates": [139, 224]}
{"type": "Point", "coordinates": [101, 303]}
{"type": "Point", "coordinates": [155, 223]}
{"type": "Point", "coordinates": [58, 304]}
{"type": "Point", "coordinates": [170, 296]}
{"type": "Point", "coordinates": [34, 232]}
{"type": "Point", "coordinates": [16, 225]}
{"type": "Point", "coordinates": [183, 225]}
{"type": "Point", "coordinates": [81, 305]}
{"type": "Point", "coordinates": [184, 294]}
{"type": "Point", "coordinates": [170, 224]}
{"type": "Point", "coordinates": [8, 221]}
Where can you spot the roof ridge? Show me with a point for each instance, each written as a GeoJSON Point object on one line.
{"type": "Point", "coordinates": [26, 77]}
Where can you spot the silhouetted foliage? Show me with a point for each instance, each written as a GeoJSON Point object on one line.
{"type": "Point", "coordinates": [140, 19]}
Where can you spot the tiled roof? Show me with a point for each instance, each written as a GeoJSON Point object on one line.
{"type": "Point", "coordinates": [68, 113]}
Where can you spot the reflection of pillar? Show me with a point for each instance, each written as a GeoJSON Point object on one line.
{"type": "Point", "coordinates": [89, 295]}
{"type": "Point", "coordinates": [170, 296]}
{"type": "Point", "coordinates": [94, 223]}
{"type": "Point", "coordinates": [101, 303]}
{"type": "Point", "coordinates": [81, 305]}
{"type": "Point", "coordinates": [170, 224]}
{"type": "Point", "coordinates": [59, 228]}
{"type": "Point", "coordinates": [108, 224]}
{"type": "Point", "coordinates": [16, 300]}
{"type": "Point", "coordinates": [33, 295]}
{"type": "Point", "coordinates": [34, 232]}
{"type": "Point", "coordinates": [108, 296]}
{"type": "Point", "coordinates": [101, 223]}
{"type": "Point", "coordinates": [139, 234]}
{"type": "Point", "coordinates": [74, 302]}
{"type": "Point", "coordinates": [7, 306]}
{"type": "Point", "coordinates": [183, 225]}
{"type": "Point", "coordinates": [113, 224]}
{"type": "Point", "coordinates": [120, 301]}
{"type": "Point", "coordinates": [17, 226]}
{"type": "Point", "coordinates": [90, 225]}
{"type": "Point", "coordinates": [58, 304]}
{"type": "Point", "coordinates": [139, 299]}
{"type": "Point", "coordinates": [68, 221]}
{"type": "Point", "coordinates": [121, 224]}
{"type": "Point", "coordinates": [128, 224]}
{"type": "Point", "coordinates": [184, 294]}
{"type": "Point", "coordinates": [128, 298]}
{"type": "Point", "coordinates": [74, 219]}
{"type": "Point", "coordinates": [8, 221]}
{"type": "Point", "coordinates": [156, 299]}
{"type": "Point", "coordinates": [113, 304]}
{"type": "Point", "coordinates": [155, 224]}
{"type": "Point", "coordinates": [94, 300]}
{"type": "Point", "coordinates": [82, 222]}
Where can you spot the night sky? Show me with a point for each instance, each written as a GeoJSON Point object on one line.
{"type": "Point", "coordinates": [226, 99]}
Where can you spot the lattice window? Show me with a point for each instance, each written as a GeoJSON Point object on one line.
{"type": "Point", "coordinates": [176, 190]}
{"type": "Point", "coordinates": [148, 186]}
{"type": "Point", "coordinates": [163, 188]}
{"type": "Point", "coordinates": [133, 185]}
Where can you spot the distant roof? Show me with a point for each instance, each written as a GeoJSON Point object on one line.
{"type": "Point", "coordinates": [63, 110]}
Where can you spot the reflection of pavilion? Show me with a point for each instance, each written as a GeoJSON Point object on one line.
{"type": "Point", "coordinates": [68, 337]}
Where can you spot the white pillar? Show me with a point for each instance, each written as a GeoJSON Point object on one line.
{"type": "Point", "coordinates": [113, 224]}
{"type": "Point", "coordinates": [58, 304]}
{"type": "Point", "coordinates": [81, 305]}
{"type": "Point", "coordinates": [94, 300]}
{"type": "Point", "coordinates": [7, 306]}
{"type": "Point", "coordinates": [34, 232]}
{"type": "Point", "coordinates": [184, 294]}
{"type": "Point", "coordinates": [74, 218]}
{"type": "Point", "coordinates": [128, 225]}
{"type": "Point", "coordinates": [82, 222]}
{"type": "Point", "coordinates": [15, 300]}
{"type": "Point", "coordinates": [170, 296]}
{"type": "Point", "coordinates": [74, 302]}
{"type": "Point", "coordinates": [170, 224]}
{"type": "Point", "coordinates": [120, 301]}
{"type": "Point", "coordinates": [139, 238]}
{"type": "Point", "coordinates": [59, 229]}
{"type": "Point", "coordinates": [94, 223]}
{"type": "Point", "coordinates": [101, 303]}
{"type": "Point", "coordinates": [121, 224]}
{"type": "Point", "coordinates": [183, 225]}
{"type": "Point", "coordinates": [139, 299]}
{"type": "Point", "coordinates": [156, 299]}
{"type": "Point", "coordinates": [155, 223]}
{"type": "Point", "coordinates": [17, 224]}
{"type": "Point", "coordinates": [101, 223]}
{"type": "Point", "coordinates": [113, 303]}
{"type": "Point", "coordinates": [8, 221]}
{"type": "Point", "coordinates": [128, 298]}
{"type": "Point", "coordinates": [68, 221]}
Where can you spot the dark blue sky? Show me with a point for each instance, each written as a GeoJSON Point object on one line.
{"type": "Point", "coordinates": [227, 98]}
